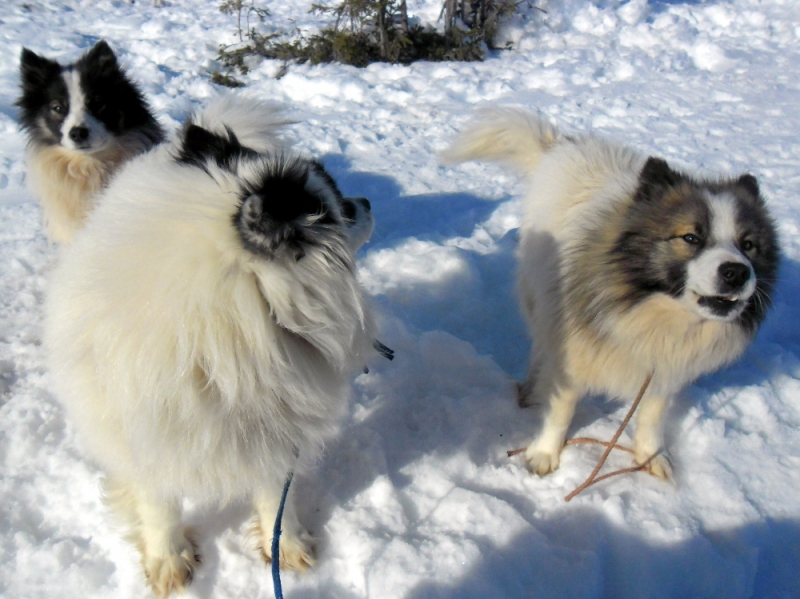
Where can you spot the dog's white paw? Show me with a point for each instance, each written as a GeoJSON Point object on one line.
{"type": "Point", "coordinates": [296, 547]}
{"type": "Point", "coordinates": [171, 573]}
{"type": "Point", "coordinates": [541, 459]}
{"type": "Point", "coordinates": [658, 465]}
{"type": "Point", "coordinates": [297, 552]}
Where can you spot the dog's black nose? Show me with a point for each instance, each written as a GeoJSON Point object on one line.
{"type": "Point", "coordinates": [365, 202]}
{"type": "Point", "coordinates": [734, 274]}
{"type": "Point", "coordinates": [79, 133]}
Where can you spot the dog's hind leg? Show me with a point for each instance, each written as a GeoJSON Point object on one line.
{"type": "Point", "coordinates": [648, 442]}
{"type": "Point", "coordinates": [525, 390]}
{"type": "Point", "coordinates": [296, 545]}
{"type": "Point", "coordinates": [169, 557]}
{"type": "Point", "coordinates": [543, 455]}
{"type": "Point", "coordinates": [532, 391]}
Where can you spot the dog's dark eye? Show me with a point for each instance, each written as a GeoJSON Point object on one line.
{"type": "Point", "coordinates": [748, 245]}
{"type": "Point", "coordinates": [57, 107]}
{"type": "Point", "coordinates": [691, 238]}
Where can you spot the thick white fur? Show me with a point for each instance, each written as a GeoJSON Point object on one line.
{"type": "Point", "coordinates": [191, 367]}
{"type": "Point", "coordinates": [512, 136]}
{"type": "Point", "coordinates": [255, 122]}
{"type": "Point", "coordinates": [574, 184]}
{"type": "Point", "coordinates": [68, 181]}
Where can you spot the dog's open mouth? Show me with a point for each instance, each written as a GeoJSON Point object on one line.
{"type": "Point", "coordinates": [720, 305]}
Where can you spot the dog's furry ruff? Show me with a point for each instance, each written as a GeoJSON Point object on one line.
{"type": "Point", "coordinates": [593, 330]}
{"type": "Point", "coordinates": [67, 182]}
{"type": "Point", "coordinates": [192, 366]}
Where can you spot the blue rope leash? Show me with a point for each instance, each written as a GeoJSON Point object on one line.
{"type": "Point", "coordinates": [387, 353]}
{"type": "Point", "coordinates": [276, 537]}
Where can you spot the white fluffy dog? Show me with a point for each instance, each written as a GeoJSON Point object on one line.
{"type": "Point", "coordinates": [202, 328]}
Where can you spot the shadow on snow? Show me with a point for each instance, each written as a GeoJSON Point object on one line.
{"type": "Point", "coordinates": [428, 403]}
{"type": "Point", "coordinates": [582, 555]}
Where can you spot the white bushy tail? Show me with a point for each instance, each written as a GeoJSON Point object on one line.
{"type": "Point", "coordinates": [254, 122]}
{"type": "Point", "coordinates": [507, 135]}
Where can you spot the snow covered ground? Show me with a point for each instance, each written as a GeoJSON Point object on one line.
{"type": "Point", "coordinates": [417, 499]}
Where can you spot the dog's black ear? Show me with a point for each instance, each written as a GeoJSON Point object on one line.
{"type": "Point", "coordinates": [285, 199]}
{"type": "Point", "coordinates": [750, 184]}
{"type": "Point", "coordinates": [280, 210]}
{"type": "Point", "coordinates": [101, 59]}
{"type": "Point", "coordinates": [656, 175]}
{"type": "Point", "coordinates": [656, 171]}
{"type": "Point", "coordinates": [35, 69]}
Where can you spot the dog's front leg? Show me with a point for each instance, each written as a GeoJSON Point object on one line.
{"type": "Point", "coordinates": [169, 557]}
{"type": "Point", "coordinates": [543, 455]}
{"type": "Point", "coordinates": [648, 442]}
{"type": "Point", "coordinates": [296, 544]}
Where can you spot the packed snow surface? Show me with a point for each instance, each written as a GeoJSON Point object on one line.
{"type": "Point", "coordinates": [416, 498]}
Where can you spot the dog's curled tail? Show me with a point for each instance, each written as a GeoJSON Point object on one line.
{"type": "Point", "coordinates": [255, 123]}
{"type": "Point", "coordinates": [507, 135]}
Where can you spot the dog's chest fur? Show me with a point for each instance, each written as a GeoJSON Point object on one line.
{"type": "Point", "coordinates": [66, 182]}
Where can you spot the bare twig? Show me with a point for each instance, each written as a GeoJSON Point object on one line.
{"type": "Point", "coordinates": [578, 440]}
{"type": "Point", "coordinates": [589, 481]}
{"type": "Point", "coordinates": [512, 452]}
{"type": "Point", "coordinates": [637, 468]}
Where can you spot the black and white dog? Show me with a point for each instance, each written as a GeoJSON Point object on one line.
{"type": "Point", "coordinates": [203, 326]}
{"type": "Point", "coordinates": [83, 121]}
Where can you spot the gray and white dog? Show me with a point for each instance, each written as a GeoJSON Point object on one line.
{"type": "Point", "coordinates": [626, 267]}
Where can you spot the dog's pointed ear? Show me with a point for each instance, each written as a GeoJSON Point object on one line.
{"type": "Point", "coordinates": [265, 223]}
{"type": "Point", "coordinates": [284, 200]}
{"type": "Point", "coordinates": [280, 210]}
{"type": "Point", "coordinates": [656, 175]}
{"type": "Point", "coordinates": [101, 58]}
{"type": "Point", "coordinates": [35, 69]}
{"type": "Point", "coordinates": [30, 60]}
{"type": "Point", "coordinates": [252, 212]}
{"type": "Point", "coordinates": [749, 184]}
